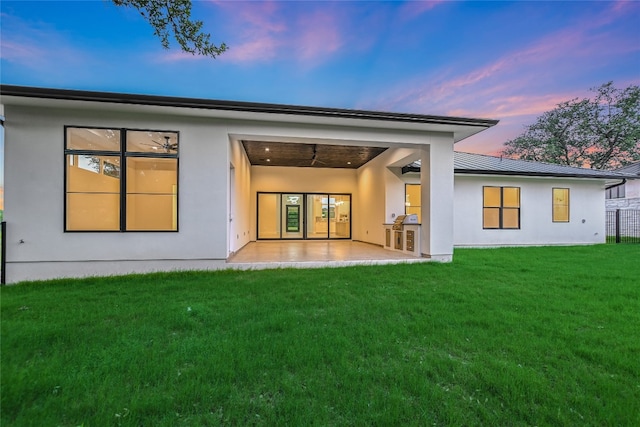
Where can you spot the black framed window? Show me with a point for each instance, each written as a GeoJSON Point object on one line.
{"type": "Point", "coordinates": [616, 192]}
{"type": "Point", "coordinates": [120, 179]}
{"type": "Point", "coordinates": [501, 208]}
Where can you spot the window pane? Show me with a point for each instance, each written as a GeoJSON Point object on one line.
{"type": "Point", "coordinates": [560, 213]}
{"type": "Point", "coordinates": [318, 214]}
{"type": "Point", "coordinates": [152, 212]}
{"type": "Point", "coordinates": [268, 216]}
{"type": "Point", "coordinates": [413, 200]}
{"type": "Point", "coordinates": [413, 210]}
{"type": "Point", "coordinates": [492, 197]}
{"type": "Point", "coordinates": [339, 226]}
{"type": "Point", "coordinates": [93, 139]}
{"type": "Point", "coordinates": [511, 197]}
{"type": "Point", "coordinates": [560, 196]}
{"type": "Point", "coordinates": [91, 212]}
{"type": "Point", "coordinates": [152, 142]}
{"type": "Point", "coordinates": [291, 220]}
{"type": "Point", "coordinates": [491, 218]}
{"type": "Point", "coordinates": [151, 175]}
{"type": "Point", "coordinates": [93, 174]}
{"type": "Point", "coordinates": [561, 205]}
{"type": "Point", "coordinates": [413, 196]}
{"type": "Point", "coordinates": [510, 218]}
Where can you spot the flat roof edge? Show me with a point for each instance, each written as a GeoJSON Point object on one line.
{"type": "Point", "coordinates": [255, 107]}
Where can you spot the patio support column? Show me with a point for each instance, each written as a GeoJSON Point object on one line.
{"type": "Point", "coordinates": [436, 179]}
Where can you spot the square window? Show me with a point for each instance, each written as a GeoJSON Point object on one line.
{"type": "Point", "coordinates": [101, 197]}
{"type": "Point", "coordinates": [501, 208]}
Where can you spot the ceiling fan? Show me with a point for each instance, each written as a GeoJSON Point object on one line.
{"type": "Point", "coordinates": [166, 146]}
{"type": "Point", "coordinates": [314, 159]}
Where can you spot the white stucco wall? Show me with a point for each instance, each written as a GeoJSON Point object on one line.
{"type": "Point", "coordinates": [240, 217]}
{"type": "Point", "coordinates": [34, 183]}
{"type": "Point", "coordinates": [381, 189]}
{"type": "Point", "coordinates": [437, 187]}
{"type": "Point", "coordinates": [587, 215]}
{"type": "Point", "coordinates": [212, 222]}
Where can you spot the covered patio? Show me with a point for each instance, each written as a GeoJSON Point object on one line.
{"type": "Point", "coordinates": [314, 254]}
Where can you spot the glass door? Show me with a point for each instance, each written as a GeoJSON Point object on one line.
{"type": "Point", "coordinates": [269, 215]}
{"type": "Point", "coordinates": [328, 216]}
{"type": "Point", "coordinates": [304, 216]}
{"type": "Point", "coordinates": [340, 222]}
{"type": "Point", "coordinates": [317, 216]}
{"type": "Point", "coordinates": [292, 216]}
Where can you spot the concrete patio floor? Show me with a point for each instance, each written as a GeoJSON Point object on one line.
{"type": "Point", "coordinates": [314, 254]}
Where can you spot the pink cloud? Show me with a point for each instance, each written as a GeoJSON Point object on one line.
{"type": "Point", "coordinates": [503, 88]}
{"type": "Point", "coordinates": [509, 87]}
{"type": "Point", "coordinates": [319, 35]}
{"type": "Point", "coordinates": [274, 30]}
{"type": "Point", "coordinates": [412, 9]}
{"type": "Point", "coordinates": [20, 51]}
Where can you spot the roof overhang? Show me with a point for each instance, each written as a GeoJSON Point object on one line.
{"type": "Point", "coordinates": [460, 127]}
{"type": "Point", "coordinates": [538, 174]}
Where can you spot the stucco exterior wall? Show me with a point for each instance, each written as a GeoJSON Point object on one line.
{"type": "Point", "coordinates": [239, 186]}
{"type": "Point", "coordinates": [216, 188]}
{"type": "Point", "coordinates": [380, 194]}
{"type": "Point", "coordinates": [586, 213]}
{"type": "Point", "coordinates": [38, 247]}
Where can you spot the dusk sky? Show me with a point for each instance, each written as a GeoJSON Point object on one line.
{"type": "Point", "coordinates": [501, 60]}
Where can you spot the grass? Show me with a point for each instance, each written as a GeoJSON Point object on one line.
{"type": "Point", "coordinates": [527, 336]}
{"type": "Point", "coordinates": [624, 239]}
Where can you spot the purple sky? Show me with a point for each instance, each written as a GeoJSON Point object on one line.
{"type": "Point", "coordinates": [502, 60]}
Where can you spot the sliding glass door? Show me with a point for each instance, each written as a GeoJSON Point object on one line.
{"type": "Point", "coordinates": [304, 216]}
{"type": "Point", "coordinates": [291, 217]}
{"type": "Point", "coordinates": [317, 217]}
{"type": "Point", "coordinates": [340, 223]}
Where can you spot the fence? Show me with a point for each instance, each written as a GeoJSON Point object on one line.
{"type": "Point", "coordinates": [3, 252]}
{"type": "Point", "coordinates": [623, 226]}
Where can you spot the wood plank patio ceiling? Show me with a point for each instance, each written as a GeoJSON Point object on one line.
{"type": "Point", "coordinates": [262, 153]}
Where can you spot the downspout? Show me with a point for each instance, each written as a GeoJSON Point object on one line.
{"type": "Point", "coordinates": [623, 182]}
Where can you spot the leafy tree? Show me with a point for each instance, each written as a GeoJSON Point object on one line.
{"type": "Point", "coordinates": [169, 17]}
{"type": "Point", "coordinates": [600, 133]}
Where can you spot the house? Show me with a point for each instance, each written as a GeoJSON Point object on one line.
{"type": "Point", "coordinates": [102, 183]}
{"type": "Point", "coordinates": [505, 202]}
{"type": "Point", "coordinates": [107, 183]}
{"type": "Point", "coordinates": [625, 195]}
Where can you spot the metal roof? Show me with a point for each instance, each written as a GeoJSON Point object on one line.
{"type": "Point", "coordinates": [481, 164]}
{"type": "Point", "coordinates": [633, 169]}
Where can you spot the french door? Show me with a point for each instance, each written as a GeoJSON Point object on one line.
{"type": "Point", "coordinates": [304, 216]}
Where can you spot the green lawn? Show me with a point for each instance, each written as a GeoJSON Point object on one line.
{"type": "Point", "coordinates": [517, 337]}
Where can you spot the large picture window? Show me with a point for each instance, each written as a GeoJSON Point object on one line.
{"type": "Point", "coordinates": [121, 180]}
{"type": "Point", "coordinates": [501, 208]}
{"type": "Point", "coordinates": [560, 205]}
